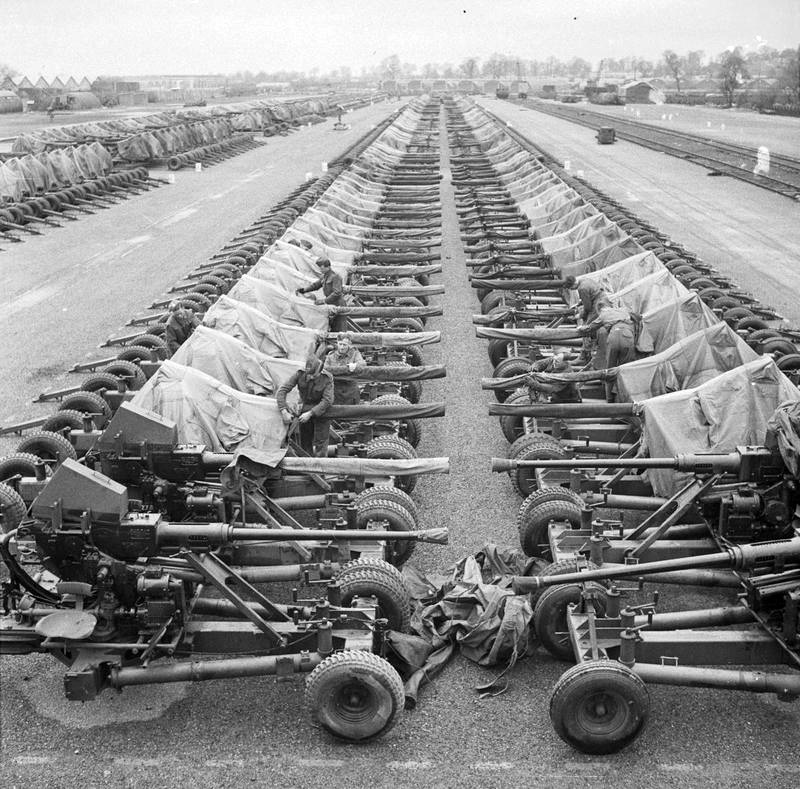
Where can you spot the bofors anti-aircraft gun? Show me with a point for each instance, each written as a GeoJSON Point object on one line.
{"type": "Point", "coordinates": [602, 704]}
{"type": "Point", "coordinates": [740, 496]}
{"type": "Point", "coordinates": [139, 449]}
{"type": "Point", "coordinates": [128, 588]}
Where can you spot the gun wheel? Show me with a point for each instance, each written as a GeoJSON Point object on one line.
{"type": "Point", "coordinates": [599, 707]}
{"type": "Point", "coordinates": [355, 695]}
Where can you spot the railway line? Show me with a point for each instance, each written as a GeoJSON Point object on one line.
{"type": "Point", "coordinates": [719, 157]}
{"type": "Point", "coordinates": [485, 249]}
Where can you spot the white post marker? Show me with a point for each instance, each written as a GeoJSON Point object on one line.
{"type": "Point", "coordinates": [171, 178]}
{"type": "Point", "coordinates": [567, 164]}
{"type": "Point", "coordinates": [722, 127]}
{"type": "Point", "coordinates": [324, 167]}
{"type": "Point", "coordinates": [198, 167]}
{"type": "Point", "coordinates": [309, 176]}
{"type": "Point", "coordinates": [579, 173]}
{"type": "Point", "coordinates": [762, 161]}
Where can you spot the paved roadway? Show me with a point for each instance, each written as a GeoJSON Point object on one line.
{"type": "Point", "coordinates": [254, 731]}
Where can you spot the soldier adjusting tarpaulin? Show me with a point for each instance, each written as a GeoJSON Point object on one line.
{"type": "Point", "coordinates": [280, 304]}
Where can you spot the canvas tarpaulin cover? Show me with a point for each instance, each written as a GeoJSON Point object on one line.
{"type": "Point", "coordinates": [320, 248]}
{"type": "Point", "coordinates": [259, 331]}
{"type": "Point", "coordinates": [577, 233]}
{"type": "Point", "coordinates": [608, 237]}
{"type": "Point", "coordinates": [688, 363]}
{"type": "Point", "coordinates": [623, 247]}
{"type": "Point", "coordinates": [210, 413]}
{"type": "Point", "coordinates": [560, 224]}
{"type": "Point", "coordinates": [730, 410]}
{"type": "Point", "coordinates": [649, 292]}
{"type": "Point", "coordinates": [673, 320]}
{"type": "Point", "coordinates": [233, 362]}
{"type": "Point", "coordinates": [305, 263]}
{"type": "Point", "coordinates": [280, 304]}
{"type": "Point", "coordinates": [785, 426]}
{"type": "Point", "coordinates": [621, 274]}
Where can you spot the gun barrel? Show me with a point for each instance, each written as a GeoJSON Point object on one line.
{"type": "Point", "coordinates": [565, 410]}
{"type": "Point", "coordinates": [736, 557]}
{"type": "Point", "coordinates": [223, 533]}
{"type": "Point", "coordinates": [698, 463]}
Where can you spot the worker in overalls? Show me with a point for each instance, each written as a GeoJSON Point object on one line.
{"type": "Point", "coordinates": [615, 329]}
{"type": "Point", "coordinates": [332, 292]}
{"type": "Point", "coordinates": [315, 388]}
{"type": "Point", "coordinates": [343, 363]}
{"type": "Point", "coordinates": [181, 323]}
{"type": "Point", "coordinates": [592, 297]}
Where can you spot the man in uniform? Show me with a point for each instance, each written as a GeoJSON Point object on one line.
{"type": "Point", "coordinates": [592, 297]}
{"type": "Point", "coordinates": [559, 392]}
{"type": "Point", "coordinates": [343, 361]}
{"type": "Point", "coordinates": [315, 387]}
{"type": "Point", "coordinates": [181, 323]}
{"type": "Point", "coordinates": [332, 291]}
{"type": "Point", "coordinates": [616, 334]}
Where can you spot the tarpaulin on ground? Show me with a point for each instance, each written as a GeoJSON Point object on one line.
{"type": "Point", "coordinates": [210, 413]}
{"type": "Point", "coordinates": [234, 363]}
{"type": "Point", "coordinates": [259, 330]}
{"type": "Point", "coordinates": [667, 323]}
{"type": "Point", "coordinates": [619, 275]}
{"type": "Point", "coordinates": [472, 608]}
{"type": "Point", "coordinates": [280, 304]}
{"type": "Point", "coordinates": [688, 363]}
{"type": "Point", "coordinates": [730, 410]}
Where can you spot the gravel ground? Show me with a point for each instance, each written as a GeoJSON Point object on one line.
{"type": "Point", "coordinates": [255, 731]}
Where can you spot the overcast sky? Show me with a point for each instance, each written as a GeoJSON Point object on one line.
{"type": "Point", "coordinates": [91, 37]}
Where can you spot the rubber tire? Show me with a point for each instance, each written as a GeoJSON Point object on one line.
{"type": "Point", "coordinates": [535, 446]}
{"type": "Point", "coordinates": [508, 368]}
{"type": "Point", "coordinates": [60, 420]}
{"type": "Point", "coordinates": [374, 677]}
{"type": "Point", "coordinates": [790, 361]}
{"type": "Point", "coordinates": [88, 403]}
{"type": "Point", "coordinates": [513, 426]}
{"type": "Point", "coordinates": [135, 353]}
{"type": "Point", "coordinates": [536, 512]}
{"type": "Point", "coordinates": [411, 428]}
{"type": "Point", "coordinates": [390, 493]}
{"type": "Point", "coordinates": [413, 356]}
{"type": "Point", "coordinates": [385, 583]}
{"type": "Point", "coordinates": [756, 338]}
{"type": "Point", "coordinates": [398, 519]}
{"type": "Point", "coordinates": [128, 371]}
{"type": "Point", "coordinates": [393, 448]}
{"type": "Point", "coordinates": [550, 616]}
{"type": "Point", "coordinates": [22, 463]}
{"type": "Point", "coordinates": [12, 508]}
{"type": "Point", "coordinates": [579, 685]}
{"type": "Point", "coordinates": [405, 324]}
{"type": "Point", "coordinates": [497, 350]}
{"type": "Point", "coordinates": [778, 345]}
{"type": "Point", "coordinates": [48, 446]}
{"type": "Point", "coordinates": [100, 382]}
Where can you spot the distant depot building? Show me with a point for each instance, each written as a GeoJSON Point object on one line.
{"type": "Point", "coordinates": [640, 92]}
